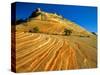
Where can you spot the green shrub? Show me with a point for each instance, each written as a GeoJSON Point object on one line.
{"type": "Point", "coordinates": [35, 30]}
{"type": "Point", "coordinates": [93, 33]}
{"type": "Point", "coordinates": [67, 32]}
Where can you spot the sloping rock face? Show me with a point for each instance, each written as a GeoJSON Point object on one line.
{"type": "Point", "coordinates": [50, 23]}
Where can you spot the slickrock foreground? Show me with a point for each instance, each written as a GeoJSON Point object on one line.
{"type": "Point", "coordinates": [42, 52]}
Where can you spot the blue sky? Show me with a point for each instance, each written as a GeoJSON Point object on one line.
{"type": "Point", "coordinates": [84, 16]}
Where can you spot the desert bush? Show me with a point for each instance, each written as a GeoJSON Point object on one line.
{"type": "Point", "coordinates": [93, 33]}
{"type": "Point", "coordinates": [34, 30]}
{"type": "Point", "coordinates": [81, 35]}
{"type": "Point", "coordinates": [67, 32]}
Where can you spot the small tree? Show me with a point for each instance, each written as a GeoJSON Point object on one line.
{"type": "Point", "coordinates": [67, 32]}
{"type": "Point", "coordinates": [93, 33]}
{"type": "Point", "coordinates": [35, 29]}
